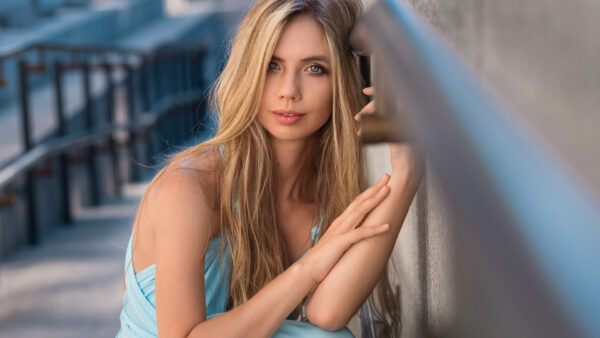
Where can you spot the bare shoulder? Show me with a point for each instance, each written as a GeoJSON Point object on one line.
{"type": "Point", "coordinates": [188, 185]}
{"type": "Point", "coordinates": [179, 205]}
{"type": "Point", "coordinates": [180, 210]}
{"type": "Point", "coordinates": [206, 160]}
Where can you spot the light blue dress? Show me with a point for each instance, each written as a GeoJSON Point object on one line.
{"type": "Point", "coordinates": [138, 316]}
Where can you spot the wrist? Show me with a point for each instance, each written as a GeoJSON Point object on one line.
{"type": "Point", "coordinates": [303, 269]}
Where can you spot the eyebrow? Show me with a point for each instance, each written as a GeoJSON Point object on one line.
{"type": "Point", "coordinates": [310, 58]}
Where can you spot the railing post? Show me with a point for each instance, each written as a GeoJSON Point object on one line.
{"type": "Point", "coordinates": [146, 91]}
{"type": "Point", "coordinates": [195, 69]}
{"type": "Point", "coordinates": [181, 107]}
{"type": "Point", "coordinates": [131, 118]}
{"type": "Point", "coordinates": [155, 87]}
{"type": "Point", "coordinates": [32, 226]}
{"type": "Point", "coordinates": [110, 107]}
{"type": "Point", "coordinates": [154, 79]}
{"type": "Point", "coordinates": [62, 131]}
{"type": "Point", "coordinates": [144, 86]}
{"type": "Point", "coordinates": [187, 86]}
{"type": "Point", "coordinates": [174, 129]}
{"type": "Point", "coordinates": [169, 74]}
{"type": "Point", "coordinates": [159, 84]}
{"type": "Point", "coordinates": [89, 124]}
{"type": "Point", "coordinates": [200, 106]}
{"type": "Point", "coordinates": [162, 85]}
{"type": "Point", "coordinates": [24, 100]}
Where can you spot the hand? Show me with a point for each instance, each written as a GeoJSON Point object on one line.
{"type": "Point", "coordinates": [401, 154]}
{"type": "Point", "coordinates": [343, 232]}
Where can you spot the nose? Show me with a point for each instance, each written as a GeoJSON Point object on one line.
{"type": "Point", "coordinates": [289, 87]}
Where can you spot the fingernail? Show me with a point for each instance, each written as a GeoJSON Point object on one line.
{"type": "Point", "coordinates": [385, 226]}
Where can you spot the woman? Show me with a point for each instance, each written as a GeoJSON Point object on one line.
{"type": "Point", "coordinates": [220, 245]}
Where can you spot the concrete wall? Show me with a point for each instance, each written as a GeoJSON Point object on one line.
{"type": "Point", "coordinates": [422, 255]}
{"type": "Point", "coordinates": [541, 58]}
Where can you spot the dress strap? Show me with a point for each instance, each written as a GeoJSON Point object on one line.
{"type": "Point", "coordinates": [128, 252]}
{"type": "Point", "coordinates": [314, 233]}
{"type": "Point", "coordinates": [316, 230]}
{"type": "Point", "coordinates": [221, 147]}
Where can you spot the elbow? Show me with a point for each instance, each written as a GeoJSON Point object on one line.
{"type": "Point", "coordinates": [328, 319]}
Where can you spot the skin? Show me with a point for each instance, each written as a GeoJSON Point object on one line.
{"type": "Point", "coordinates": [176, 222]}
{"type": "Point", "coordinates": [297, 79]}
{"type": "Point", "coordinates": [348, 284]}
{"type": "Point", "coordinates": [291, 84]}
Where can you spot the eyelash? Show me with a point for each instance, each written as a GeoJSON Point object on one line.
{"type": "Point", "coordinates": [321, 68]}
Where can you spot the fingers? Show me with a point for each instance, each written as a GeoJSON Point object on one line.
{"type": "Point", "coordinates": [369, 91]}
{"type": "Point", "coordinates": [368, 193]}
{"type": "Point", "coordinates": [356, 216]}
{"type": "Point", "coordinates": [340, 224]}
{"type": "Point", "coordinates": [369, 108]}
{"type": "Point", "coordinates": [361, 233]}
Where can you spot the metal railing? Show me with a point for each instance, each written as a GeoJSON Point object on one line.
{"type": "Point", "coordinates": [520, 216]}
{"type": "Point", "coordinates": [161, 91]}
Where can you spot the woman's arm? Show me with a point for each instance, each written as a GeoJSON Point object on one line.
{"type": "Point", "coordinates": [182, 218]}
{"type": "Point", "coordinates": [262, 314]}
{"type": "Point", "coordinates": [337, 298]}
{"type": "Point", "coordinates": [183, 227]}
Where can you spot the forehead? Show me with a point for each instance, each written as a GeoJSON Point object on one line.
{"type": "Point", "coordinates": [302, 36]}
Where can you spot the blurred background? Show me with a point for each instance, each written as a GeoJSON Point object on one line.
{"type": "Point", "coordinates": [502, 97]}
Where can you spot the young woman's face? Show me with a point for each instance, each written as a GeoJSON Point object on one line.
{"type": "Point", "coordinates": [297, 97]}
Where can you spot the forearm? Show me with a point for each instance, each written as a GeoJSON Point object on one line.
{"type": "Point", "coordinates": [263, 313]}
{"type": "Point", "coordinates": [354, 276]}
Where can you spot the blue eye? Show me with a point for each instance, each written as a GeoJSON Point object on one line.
{"type": "Point", "coordinates": [316, 69]}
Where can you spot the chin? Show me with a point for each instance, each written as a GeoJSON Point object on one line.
{"type": "Point", "coordinates": [289, 135]}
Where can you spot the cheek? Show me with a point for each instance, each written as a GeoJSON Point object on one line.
{"type": "Point", "coordinates": [322, 97]}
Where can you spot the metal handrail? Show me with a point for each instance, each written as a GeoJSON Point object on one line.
{"type": "Point", "coordinates": [95, 49]}
{"type": "Point", "coordinates": [86, 138]}
{"type": "Point", "coordinates": [518, 209]}
{"type": "Point", "coordinates": [176, 83]}
{"type": "Point", "coordinates": [63, 47]}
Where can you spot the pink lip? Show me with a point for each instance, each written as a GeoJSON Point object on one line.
{"type": "Point", "coordinates": [287, 116]}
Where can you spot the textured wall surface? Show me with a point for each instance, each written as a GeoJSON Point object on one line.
{"type": "Point", "coordinates": [422, 255]}
{"type": "Point", "coordinates": [541, 59]}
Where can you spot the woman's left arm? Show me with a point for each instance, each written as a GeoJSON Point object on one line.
{"type": "Point", "coordinates": [345, 288]}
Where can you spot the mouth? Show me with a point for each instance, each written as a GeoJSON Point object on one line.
{"type": "Point", "coordinates": [287, 116]}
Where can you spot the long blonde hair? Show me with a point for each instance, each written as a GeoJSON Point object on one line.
{"type": "Point", "coordinates": [246, 193]}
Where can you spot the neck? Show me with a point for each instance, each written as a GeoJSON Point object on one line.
{"type": "Point", "coordinates": [292, 163]}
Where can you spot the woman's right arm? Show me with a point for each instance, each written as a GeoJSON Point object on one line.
{"type": "Point", "coordinates": [182, 219]}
